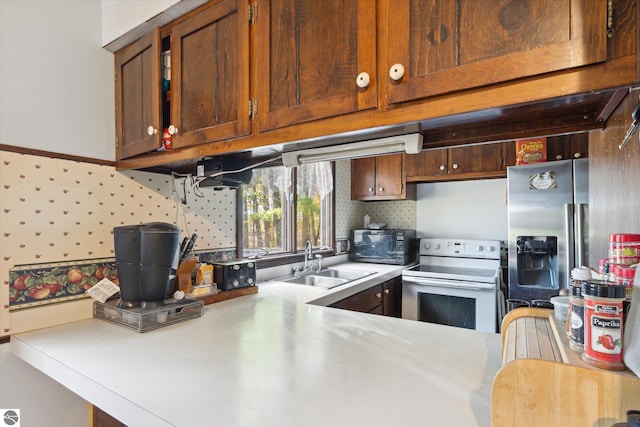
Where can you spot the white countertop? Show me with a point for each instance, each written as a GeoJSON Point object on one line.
{"type": "Point", "coordinates": [272, 359]}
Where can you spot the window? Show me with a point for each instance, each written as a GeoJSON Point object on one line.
{"type": "Point", "coordinates": [283, 207]}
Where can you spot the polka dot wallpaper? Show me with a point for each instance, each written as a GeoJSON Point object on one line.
{"type": "Point", "coordinates": [54, 210]}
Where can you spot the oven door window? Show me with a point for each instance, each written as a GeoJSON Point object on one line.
{"type": "Point", "coordinates": [447, 310]}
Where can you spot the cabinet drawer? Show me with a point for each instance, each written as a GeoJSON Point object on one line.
{"type": "Point", "coordinates": [366, 301]}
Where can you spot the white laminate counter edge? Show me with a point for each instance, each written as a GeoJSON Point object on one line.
{"type": "Point", "coordinates": [88, 389]}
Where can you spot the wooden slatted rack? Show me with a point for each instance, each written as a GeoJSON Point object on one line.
{"type": "Point", "coordinates": [543, 382]}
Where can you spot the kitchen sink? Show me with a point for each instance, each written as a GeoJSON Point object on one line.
{"type": "Point", "coordinates": [328, 278]}
{"type": "Point", "coordinates": [317, 281]}
{"type": "Point", "coordinates": [343, 274]}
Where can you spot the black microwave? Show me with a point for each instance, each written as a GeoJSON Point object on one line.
{"type": "Point", "coordinates": [383, 246]}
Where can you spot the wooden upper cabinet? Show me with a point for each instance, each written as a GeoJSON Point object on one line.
{"type": "Point", "coordinates": [444, 46]}
{"type": "Point", "coordinates": [380, 178]}
{"type": "Point", "coordinates": [137, 85]}
{"type": "Point", "coordinates": [210, 75]}
{"type": "Point", "coordinates": [565, 147]}
{"type": "Point", "coordinates": [476, 159]}
{"type": "Point", "coordinates": [427, 164]}
{"type": "Point", "coordinates": [468, 162]}
{"type": "Point", "coordinates": [309, 57]}
{"type": "Point", "coordinates": [363, 178]}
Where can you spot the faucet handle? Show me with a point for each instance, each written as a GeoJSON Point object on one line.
{"type": "Point", "coordinates": [319, 258]}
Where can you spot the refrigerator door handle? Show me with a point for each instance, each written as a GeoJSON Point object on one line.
{"type": "Point", "coordinates": [569, 239]}
{"type": "Point", "coordinates": [579, 231]}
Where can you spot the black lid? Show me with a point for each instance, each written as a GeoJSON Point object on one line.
{"type": "Point", "coordinates": [602, 289]}
{"type": "Point", "coordinates": [159, 227]}
{"type": "Point", "coordinates": [576, 291]}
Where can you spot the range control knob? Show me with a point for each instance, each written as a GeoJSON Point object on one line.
{"type": "Point", "coordinates": [236, 267]}
{"type": "Point", "coordinates": [479, 248]}
{"type": "Point", "coordinates": [235, 283]}
{"type": "Point", "coordinates": [437, 245]}
{"type": "Point", "coordinates": [250, 264]}
{"type": "Point", "coordinates": [491, 249]}
{"type": "Point", "coordinates": [427, 245]}
{"type": "Point", "coordinates": [249, 280]}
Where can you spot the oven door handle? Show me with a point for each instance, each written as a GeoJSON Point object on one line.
{"type": "Point", "coordinates": [456, 284]}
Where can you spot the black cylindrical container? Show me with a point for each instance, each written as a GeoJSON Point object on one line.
{"type": "Point", "coordinates": [159, 244]}
{"type": "Point", "coordinates": [126, 241]}
{"type": "Point", "coordinates": [159, 253]}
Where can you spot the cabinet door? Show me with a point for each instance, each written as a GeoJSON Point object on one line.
{"type": "Point", "coordinates": [138, 114]}
{"type": "Point", "coordinates": [450, 45]}
{"type": "Point", "coordinates": [390, 176]}
{"type": "Point", "coordinates": [309, 55]}
{"type": "Point", "coordinates": [483, 159]}
{"type": "Point", "coordinates": [565, 147]}
{"type": "Point", "coordinates": [508, 154]}
{"type": "Point", "coordinates": [427, 165]}
{"type": "Point", "coordinates": [210, 75]}
{"type": "Point", "coordinates": [392, 297]}
{"type": "Point", "coordinates": [367, 301]}
{"type": "Point", "coordinates": [363, 178]}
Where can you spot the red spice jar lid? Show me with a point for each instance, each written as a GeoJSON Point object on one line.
{"type": "Point", "coordinates": [602, 289]}
{"type": "Point", "coordinates": [622, 238]}
{"type": "Point", "coordinates": [621, 270]}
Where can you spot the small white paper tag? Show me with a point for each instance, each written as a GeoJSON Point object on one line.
{"type": "Point", "coordinates": [102, 290]}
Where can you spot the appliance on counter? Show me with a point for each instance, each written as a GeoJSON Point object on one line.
{"type": "Point", "coordinates": [383, 246]}
{"type": "Point", "coordinates": [232, 274]}
{"type": "Point", "coordinates": [147, 257]}
{"type": "Point", "coordinates": [457, 283]}
{"type": "Point", "coordinates": [547, 216]}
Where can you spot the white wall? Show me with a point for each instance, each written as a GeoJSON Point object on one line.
{"type": "Point", "coordinates": [120, 16]}
{"type": "Point", "coordinates": [465, 209]}
{"type": "Point", "coordinates": [57, 82]}
{"type": "Point", "coordinates": [41, 400]}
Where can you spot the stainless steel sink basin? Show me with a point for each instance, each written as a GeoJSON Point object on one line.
{"type": "Point", "coordinates": [344, 274]}
{"type": "Point", "coordinates": [328, 278]}
{"type": "Point", "coordinates": [318, 281]}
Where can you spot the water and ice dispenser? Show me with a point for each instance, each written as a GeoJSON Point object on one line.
{"type": "Point", "coordinates": [537, 261]}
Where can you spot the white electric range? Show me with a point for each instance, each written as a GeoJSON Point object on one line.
{"type": "Point", "coordinates": [457, 283]}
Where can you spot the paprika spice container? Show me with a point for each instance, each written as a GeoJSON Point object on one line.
{"type": "Point", "coordinates": [603, 314]}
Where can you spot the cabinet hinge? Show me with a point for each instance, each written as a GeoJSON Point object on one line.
{"type": "Point", "coordinates": [117, 143]}
{"type": "Point", "coordinates": [609, 19]}
{"type": "Point", "coordinates": [253, 108]}
{"type": "Point", "coordinates": [253, 13]}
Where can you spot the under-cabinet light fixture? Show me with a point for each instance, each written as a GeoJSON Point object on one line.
{"type": "Point", "coordinates": [410, 144]}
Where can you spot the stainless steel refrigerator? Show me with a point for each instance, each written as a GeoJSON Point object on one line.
{"type": "Point", "coordinates": [548, 226]}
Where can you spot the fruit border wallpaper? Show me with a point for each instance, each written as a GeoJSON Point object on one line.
{"type": "Point", "coordinates": [31, 286]}
{"type": "Point", "coordinates": [57, 215]}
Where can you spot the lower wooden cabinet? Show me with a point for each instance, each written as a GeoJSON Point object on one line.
{"type": "Point", "coordinates": [384, 299]}
{"type": "Point", "coordinates": [100, 418]}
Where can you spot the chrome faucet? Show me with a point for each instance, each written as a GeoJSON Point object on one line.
{"type": "Point", "coordinates": [308, 255]}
